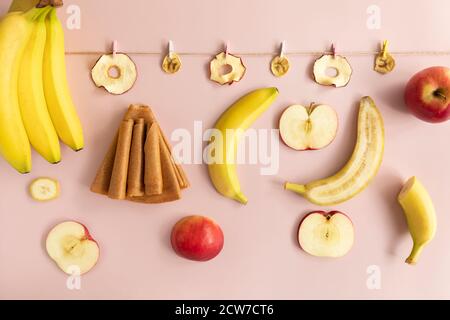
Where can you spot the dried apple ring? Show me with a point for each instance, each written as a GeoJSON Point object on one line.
{"type": "Point", "coordinates": [334, 62]}
{"type": "Point", "coordinates": [226, 68]}
{"type": "Point", "coordinates": [116, 73]}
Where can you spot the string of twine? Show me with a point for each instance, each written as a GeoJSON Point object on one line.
{"type": "Point", "coordinates": [271, 54]}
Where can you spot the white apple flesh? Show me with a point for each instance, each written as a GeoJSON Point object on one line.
{"type": "Point", "coordinates": [324, 234]}
{"type": "Point", "coordinates": [308, 128]}
{"type": "Point", "coordinates": [71, 246]}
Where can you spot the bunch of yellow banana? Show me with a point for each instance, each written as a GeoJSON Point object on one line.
{"type": "Point", "coordinates": [35, 102]}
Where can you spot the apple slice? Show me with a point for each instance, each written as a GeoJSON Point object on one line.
{"type": "Point", "coordinates": [308, 128]}
{"type": "Point", "coordinates": [71, 246]}
{"type": "Point", "coordinates": [324, 234]}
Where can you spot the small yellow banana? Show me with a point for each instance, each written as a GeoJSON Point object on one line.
{"type": "Point", "coordinates": [234, 121]}
{"type": "Point", "coordinates": [35, 116]}
{"type": "Point", "coordinates": [57, 93]}
{"type": "Point", "coordinates": [420, 215]}
{"type": "Point", "coordinates": [363, 165]}
{"type": "Point", "coordinates": [15, 30]}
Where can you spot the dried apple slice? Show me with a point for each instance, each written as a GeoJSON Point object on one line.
{"type": "Point", "coordinates": [116, 73]}
{"type": "Point", "coordinates": [226, 68]}
{"type": "Point", "coordinates": [279, 66]}
{"type": "Point", "coordinates": [171, 63]}
{"type": "Point", "coordinates": [332, 62]}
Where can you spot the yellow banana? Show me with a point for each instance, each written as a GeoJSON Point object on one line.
{"type": "Point", "coordinates": [363, 165]}
{"type": "Point", "coordinates": [57, 93]}
{"type": "Point", "coordinates": [231, 125]}
{"type": "Point", "coordinates": [420, 215]}
{"type": "Point", "coordinates": [15, 30]}
{"type": "Point", "coordinates": [37, 121]}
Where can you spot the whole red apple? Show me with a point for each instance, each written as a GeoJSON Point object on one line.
{"type": "Point", "coordinates": [427, 94]}
{"type": "Point", "coordinates": [197, 238]}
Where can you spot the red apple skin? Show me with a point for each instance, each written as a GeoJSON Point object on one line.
{"type": "Point", "coordinates": [427, 106]}
{"type": "Point", "coordinates": [330, 214]}
{"type": "Point", "coordinates": [197, 238]}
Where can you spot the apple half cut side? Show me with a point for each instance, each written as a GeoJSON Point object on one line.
{"type": "Point", "coordinates": [323, 234]}
{"type": "Point", "coordinates": [72, 247]}
{"type": "Point", "coordinates": [308, 128]}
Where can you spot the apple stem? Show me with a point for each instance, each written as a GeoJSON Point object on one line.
{"type": "Point", "coordinates": [297, 188]}
{"type": "Point", "coordinates": [414, 255]}
{"type": "Point", "coordinates": [439, 93]}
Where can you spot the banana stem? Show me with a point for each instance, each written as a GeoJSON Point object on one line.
{"type": "Point", "coordinates": [415, 254]}
{"type": "Point", "coordinates": [53, 3]}
{"type": "Point", "coordinates": [297, 188]}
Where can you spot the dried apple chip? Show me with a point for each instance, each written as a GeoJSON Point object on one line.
{"type": "Point", "coordinates": [116, 73]}
{"type": "Point", "coordinates": [226, 68]}
{"type": "Point", "coordinates": [338, 64]}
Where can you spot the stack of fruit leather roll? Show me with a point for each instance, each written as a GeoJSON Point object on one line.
{"type": "Point", "coordinates": [139, 165]}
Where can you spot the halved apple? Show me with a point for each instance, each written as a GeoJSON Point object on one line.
{"type": "Point", "coordinates": [308, 128]}
{"type": "Point", "coordinates": [71, 246]}
{"type": "Point", "coordinates": [116, 73]}
{"type": "Point", "coordinates": [325, 234]}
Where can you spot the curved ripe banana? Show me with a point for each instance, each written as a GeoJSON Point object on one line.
{"type": "Point", "coordinates": [231, 125]}
{"type": "Point", "coordinates": [363, 165]}
{"type": "Point", "coordinates": [420, 215]}
{"type": "Point", "coordinates": [57, 93]}
{"type": "Point", "coordinates": [35, 116]}
{"type": "Point", "coordinates": [15, 30]}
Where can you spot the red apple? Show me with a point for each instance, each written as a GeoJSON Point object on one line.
{"type": "Point", "coordinates": [197, 238]}
{"type": "Point", "coordinates": [323, 234]}
{"type": "Point", "coordinates": [427, 94]}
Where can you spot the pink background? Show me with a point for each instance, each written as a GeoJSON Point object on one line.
{"type": "Point", "coordinates": [261, 258]}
